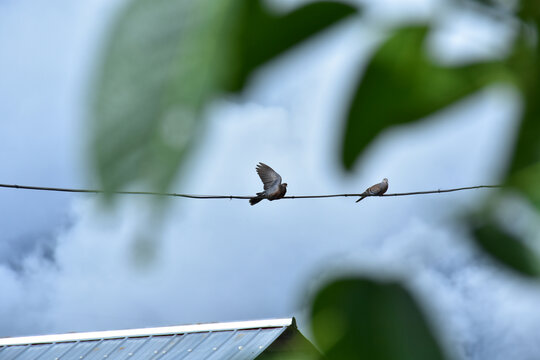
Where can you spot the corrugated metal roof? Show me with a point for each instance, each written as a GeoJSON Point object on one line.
{"type": "Point", "coordinates": [234, 340]}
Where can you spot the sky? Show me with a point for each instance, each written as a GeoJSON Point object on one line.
{"type": "Point", "coordinates": [68, 264]}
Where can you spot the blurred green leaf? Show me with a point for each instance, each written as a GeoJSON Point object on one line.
{"type": "Point", "coordinates": [165, 60]}
{"type": "Point", "coordinates": [265, 34]}
{"type": "Point", "coordinates": [161, 64]}
{"type": "Point", "coordinates": [401, 85]}
{"type": "Point", "coordinates": [357, 318]}
{"type": "Point", "coordinates": [525, 170]}
{"type": "Point", "coordinates": [529, 10]}
{"type": "Point", "coordinates": [506, 249]}
{"type": "Point", "coordinates": [524, 174]}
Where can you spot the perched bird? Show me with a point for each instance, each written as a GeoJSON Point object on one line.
{"type": "Point", "coordinates": [375, 190]}
{"type": "Point", "coordinates": [273, 188]}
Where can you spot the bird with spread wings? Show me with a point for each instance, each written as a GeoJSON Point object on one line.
{"type": "Point", "coordinates": [273, 188]}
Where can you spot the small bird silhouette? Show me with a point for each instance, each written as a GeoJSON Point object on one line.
{"type": "Point", "coordinates": [375, 190]}
{"type": "Point", "coordinates": [273, 188]}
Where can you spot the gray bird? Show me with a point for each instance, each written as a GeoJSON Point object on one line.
{"type": "Point", "coordinates": [273, 188]}
{"type": "Point", "coordinates": [375, 190]}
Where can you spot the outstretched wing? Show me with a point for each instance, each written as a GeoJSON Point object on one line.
{"type": "Point", "coordinates": [269, 177]}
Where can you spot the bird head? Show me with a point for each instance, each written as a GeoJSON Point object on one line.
{"type": "Point", "coordinates": [385, 180]}
{"type": "Point", "coordinates": [284, 184]}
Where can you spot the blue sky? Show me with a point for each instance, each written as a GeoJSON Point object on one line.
{"type": "Point", "coordinates": [68, 264]}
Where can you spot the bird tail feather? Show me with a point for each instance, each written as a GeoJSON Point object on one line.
{"type": "Point", "coordinates": [361, 198]}
{"type": "Point", "coordinates": [255, 200]}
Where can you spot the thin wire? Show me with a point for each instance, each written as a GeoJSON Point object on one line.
{"type": "Point", "coordinates": [191, 196]}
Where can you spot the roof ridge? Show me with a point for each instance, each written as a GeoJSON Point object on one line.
{"type": "Point", "coordinates": [165, 330]}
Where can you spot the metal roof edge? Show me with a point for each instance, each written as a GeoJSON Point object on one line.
{"type": "Point", "coordinates": [166, 330]}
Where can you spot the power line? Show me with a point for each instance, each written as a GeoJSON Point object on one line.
{"type": "Point", "coordinates": [231, 197]}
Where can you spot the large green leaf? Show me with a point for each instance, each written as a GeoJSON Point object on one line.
{"type": "Point", "coordinates": [356, 318]}
{"type": "Point", "coordinates": [165, 60]}
{"type": "Point", "coordinates": [506, 249]}
{"type": "Point", "coordinates": [524, 169]}
{"type": "Point", "coordinates": [401, 84]}
{"type": "Point", "coordinates": [266, 34]}
{"type": "Point", "coordinates": [529, 10]}
{"type": "Point", "coordinates": [524, 172]}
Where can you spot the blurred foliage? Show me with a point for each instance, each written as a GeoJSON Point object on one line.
{"type": "Point", "coordinates": [525, 170]}
{"type": "Point", "coordinates": [356, 318]}
{"type": "Point", "coordinates": [401, 84]}
{"type": "Point", "coordinates": [165, 60]}
{"type": "Point", "coordinates": [524, 174]}
{"type": "Point", "coordinates": [264, 35]}
{"type": "Point", "coordinates": [505, 247]}
{"type": "Point", "coordinates": [529, 10]}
